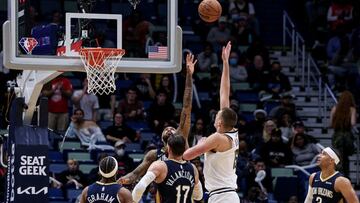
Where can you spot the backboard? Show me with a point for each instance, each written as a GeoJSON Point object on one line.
{"type": "Point", "coordinates": [47, 34]}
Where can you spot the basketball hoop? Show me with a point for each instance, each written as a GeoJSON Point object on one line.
{"type": "Point", "coordinates": [100, 65]}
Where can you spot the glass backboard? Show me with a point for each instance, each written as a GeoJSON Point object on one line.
{"type": "Point", "coordinates": [47, 34]}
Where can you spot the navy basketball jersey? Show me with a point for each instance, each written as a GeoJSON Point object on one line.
{"type": "Point", "coordinates": [179, 183]}
{"type": "Point", "coordinates": [161, 155]}
{"type": "Point", "coordinates": [103, 193]}
{"type": "Point", "coordinates": [324, 190]}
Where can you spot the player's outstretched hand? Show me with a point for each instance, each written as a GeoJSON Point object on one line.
{"type": "Point", "coordinates": [226, 52]}
{"type": "Point", "coordinates": [190, 63]}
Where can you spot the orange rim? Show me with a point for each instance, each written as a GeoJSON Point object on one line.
{"type": "Point", "coordinates": [96, 56]}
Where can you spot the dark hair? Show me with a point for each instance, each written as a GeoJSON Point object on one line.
{"type": "Point", "coordinates": [306, 141]}
{"type": "Point", "coordinates": [177, 144]}
{"type": "Point", "coordinates": [107, 164]}
{"type": "Point", "coordinates": [259, 159]}
{"type": "Point", "coordinates": [132, 88]}
{"type": "Point", "coordinates": [229, 117]}
{"type": "Point", "coordinates": [161, 91]}
{"type": "Point", "coordinates": [82, 111]}
{"type": "Point", "coordinates": [275, 63]}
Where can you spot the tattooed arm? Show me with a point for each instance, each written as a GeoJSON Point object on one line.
{"type": "Point", "coordinates": [137, 173]}
{"type": "Point", "coordinates": [185, 117]}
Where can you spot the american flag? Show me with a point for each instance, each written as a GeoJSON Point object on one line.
{"type": "Point", "coordinates": [158, 52]}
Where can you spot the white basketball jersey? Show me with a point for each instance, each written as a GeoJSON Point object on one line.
{"type": "Point", "coordinates": [219, 167]}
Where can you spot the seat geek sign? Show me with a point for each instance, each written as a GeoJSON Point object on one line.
{"type": "Point", "coordinates": [30, 176]}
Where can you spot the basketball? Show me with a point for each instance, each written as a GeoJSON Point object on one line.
{"type": "Point", "coordinates": [209, 10]}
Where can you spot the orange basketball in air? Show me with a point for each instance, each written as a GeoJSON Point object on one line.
{"type": "Point", "coordinates": [209, 10]}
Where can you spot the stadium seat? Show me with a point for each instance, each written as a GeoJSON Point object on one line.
{"type": "Point", "coordinates": [281, 172]}
{"type": "Point", "coordinates": [240, 86]}
{"type": "Point", "coordinates": [248, 107]}
{"type": "Point", "coordinates": [137, 157]}
{"type": "Point", "coordinates": [55, 156]}
{"type": "Point", "coordinates": [79, 156]}
{"type": "Point", "coordinates": [269, 105]}
{"type": "Point", "coordinates": [282, 191]}
{"type": "Point", "coordinates": [69, 145]}
{"type": "Point", "coordinates": [248, 116]}
{"type": "Point", "coordinates": [73, 194]}
{"type": "Point", "coordinates": [55, 194]}
{"type": "Point", "coordinates": [105, 124]}
{"type": "Point", "coordinates": [138, 125]}
{"type": "Point", "coordinates": [203, 75]}
{"type": "Point", "coordinates": [94, 154]}
{"type": "Point", "coordinates": [246, 96]}
{"type": "Point", "coordinates": [204, 96]}
{"type": "Point", "coordinates": [86, 168]}
{"type": "Point", "coordinates": [133, 147]}
{"type": "Point", "coordinates": [57, 168]}
{"type": "Point", "coordinates": [147, 136]}
{"type": "Point", "coordinates": [147, 104]}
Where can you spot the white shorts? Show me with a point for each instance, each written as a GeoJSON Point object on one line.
{"type": "Point", "coordinates": [232, 197]}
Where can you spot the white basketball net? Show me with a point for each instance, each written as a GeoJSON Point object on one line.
{"type": "Point", "coordinates": [100, 65]}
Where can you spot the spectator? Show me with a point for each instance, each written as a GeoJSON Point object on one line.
{"type": "Point", "coordinates": [167, 86]}
{"type": "Point", "coordinates": [278, 83]}
{"type": "Point", "coordinates": [238, 72]}
{"type": "Point", "coordinates": [241, 33]}
{"type": "Point", "coordinates": [89, 103]}
{"type": "Point", "coordinates": [257, 47]}
{"type": "Point", "coordinates": [241, 122]}
{"type": "Point", "coordinates": [256, 74]}
{"type": "Point", "coordinates": [255, 129]}
{"type": "Point", "coordinates": [59, 92]}
{"type": "Point", "coordinates": [131, 107]}
{"type": "Point", "coordinates": [145, 88]}
{"type": "Point", "coordinates": [125, 163]}
{"type": "Point", "coordinates": [286, 106]}
{"type": "Point", "coordinates": [293, 199]}
{"type": "Point", "coordinates": [161, 112]}
{"type": "Point", "coordinates": [242, 166]}
{"type": "Point", "coordinates": [87, 131]}
{"type": "Point", "coordinates": [120, 131]}
{"type": "Point", "coordinates": [298, 127]}
{"type": "Point", "coordinates": [247, 10]}
{"type": "Point", "coordinates": [207, 58]}
{"type": "Point", "coordinates": [253, 168]}
{"type": "Point", "coordinates": [197, 132]}
{"type": "Point", "coordinates": [285, 126]}
{"type": "Point", "coordinates": [72, 177]}
{"type": "Point", "coordinates": [218, 36]}
{"type": "Point", "coordinates": [255, 195]}
{"type": "Point", "coordinates": [340, 13]}
{"type": "Point", "coordinates": [303, 151]}
{"type": "Point", "coordinates": [269, 126]}
{"type": "Point", "coordinates": [343, 118]}
{"type": "Point", "coordinates": [342, 66]}
{"type": "Point", "coordinates": [275, 152]}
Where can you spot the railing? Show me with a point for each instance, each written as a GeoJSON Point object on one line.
{"type": "Point", "coordinates": [297, 44]}
{"type": "Point", "coordinates": [326, 98]}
